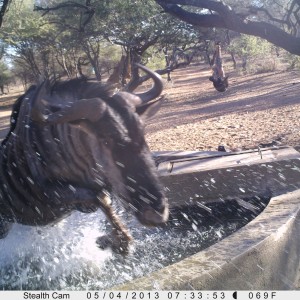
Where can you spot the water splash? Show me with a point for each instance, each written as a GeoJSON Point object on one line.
{"type": "Point", "coordinates": [65, 256]}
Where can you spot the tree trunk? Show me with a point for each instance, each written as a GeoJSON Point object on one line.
{"type": "Point", "coordinates": [93, 51]}
{"type": "Point", "coordinates": [244, 63]}
{"type": "Point", "coordinates": [135, 76]}
{"type": "Point", "coordinates": [125, 69]}
{"type": "Point", "coordinates": [79, 68]}
{"type": "Point", "coordinates": [233, 59]}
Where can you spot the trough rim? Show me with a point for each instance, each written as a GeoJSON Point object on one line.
{"type": "Point", "coordinates": [198, 272]}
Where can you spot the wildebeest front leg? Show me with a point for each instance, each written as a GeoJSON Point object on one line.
{"type": "Point", "coordinates": [120, 238]}
{"type": "Point", "coordinates": [86, 200]}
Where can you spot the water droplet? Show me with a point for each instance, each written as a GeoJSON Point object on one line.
{"type": "Point", "coordinates": [30, 180]}
{"type": "Point", "coordinates": [72, 188]}
{"type": "Point", "coordinates": [120, 164]}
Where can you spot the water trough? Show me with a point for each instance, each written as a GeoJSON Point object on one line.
{"type": "Point", "coordinates": [265, 253]}
{"type": "Point", "coordinates": [254, 195]}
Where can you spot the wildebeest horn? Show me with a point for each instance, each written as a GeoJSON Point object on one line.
{"type": "Point", "coordinates": [36, 105]}
{"type": "Point", "coordinates": [157, 88]}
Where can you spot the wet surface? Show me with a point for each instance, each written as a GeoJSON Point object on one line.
{"type": "Point", "coordinates": [65, 256]}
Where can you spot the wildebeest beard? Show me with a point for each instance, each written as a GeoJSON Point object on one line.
{"type": "Point", "coordinates": [74, 144]}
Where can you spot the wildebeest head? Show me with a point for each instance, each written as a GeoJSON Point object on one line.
{"type": "Point", "coordinates": [109, 128]}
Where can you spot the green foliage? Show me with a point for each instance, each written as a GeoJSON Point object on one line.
{"type": "Point", "coordinates": [293, 61]}
{"type": "Point", "coordinates": [131, 21]}
{"type": "Point", "coordinates": [154, 59]}
{"type": "Point", "coordinates": [23, 24]}
{"type": "Point", "coordinates": [65, 42]}
{"type": "Point", "coordinates": [27, 37]}
{"type": "Point", "coordinates": [89, 37]}
{"type": "Point", "coordinates": [249, 46]}
{"type": "Point", "coordinates": [257, 55]}
{"type": "Point", "coordinates": [5, 74]}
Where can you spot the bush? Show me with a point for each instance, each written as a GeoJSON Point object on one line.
{"type": "Point", "coordinates": [293, 61]}
{"type": "Point", "coordinates": [5, 75]}
{"type": "Point", "coordinates": [257, 55]}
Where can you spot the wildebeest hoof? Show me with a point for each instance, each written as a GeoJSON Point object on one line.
{"type": "Point", "coordinates": [103, 242]}
{"type": "Point", "coordinates": [118, 241]}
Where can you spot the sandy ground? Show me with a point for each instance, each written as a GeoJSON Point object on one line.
{"type": "Point", "coordinates": [263, 108]}
{"type": "Point", "coordinates": [256, 109]}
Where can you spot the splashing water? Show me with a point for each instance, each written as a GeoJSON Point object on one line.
{"type": "Point", "coordinates": [65, 256]}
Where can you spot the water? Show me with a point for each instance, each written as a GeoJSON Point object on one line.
{"type": "Point", "coordinates": [65, 256]}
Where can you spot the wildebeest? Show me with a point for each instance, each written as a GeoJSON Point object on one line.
{"type": "Point", "coordinates": [71, 145]}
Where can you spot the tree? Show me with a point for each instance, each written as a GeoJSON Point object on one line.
{"type": "Point", "coordinates": [29, 39]}
{"type": "Point", "coordinates": [275, 21]}
{"type": "Point", "coordinates": [3, 8]}
{"type": "Point", "coordinates": [5, 76]}
{"type": "Point", "coordinates": [135, 26]}
{"type": "Point", "coordinates": [250, 49]}
{"type": "Point", "coordinates": [41, 47]}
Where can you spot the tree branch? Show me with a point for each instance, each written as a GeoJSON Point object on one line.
{"type": "Point", "coordinates": [225, 17]}
{"type": "Point", "coordinates": [89, 10]}
{"type": "Point", "coordinates": [255, 10]}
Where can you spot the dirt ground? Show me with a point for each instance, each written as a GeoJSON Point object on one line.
{"type": "Point", "coordinates": [262, 108]}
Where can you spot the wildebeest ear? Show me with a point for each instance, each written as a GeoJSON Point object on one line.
{"type": "Point", "coordinates": [148, 110]}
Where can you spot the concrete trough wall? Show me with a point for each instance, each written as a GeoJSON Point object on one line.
{"type": "Point", "coordinates": [264, 254]}
{"type": "Point", "coordinates": [208, 177]}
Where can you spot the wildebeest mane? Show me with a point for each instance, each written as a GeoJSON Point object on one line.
{"type": "Point", "coordinates": [73, 89]}
{"type": "Point", "coordinates": [15, 113]}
